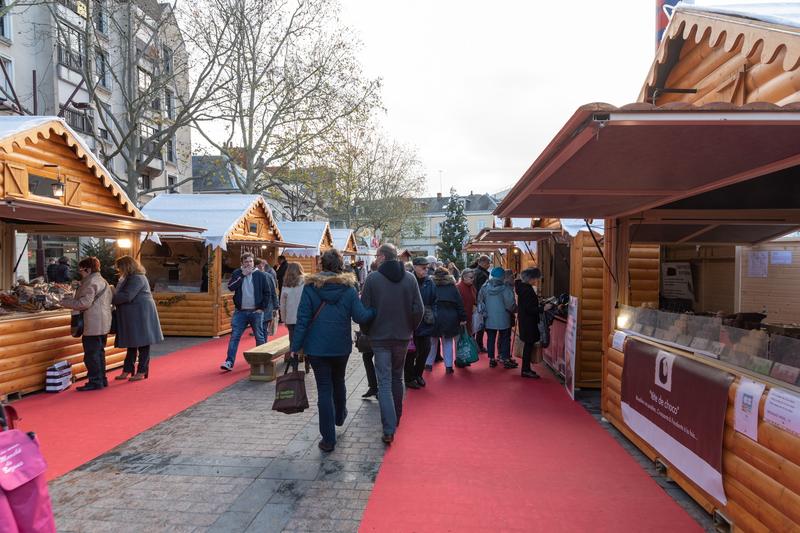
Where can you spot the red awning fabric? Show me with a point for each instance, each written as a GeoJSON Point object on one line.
{"type": "Point", "coordinates": [609, 162]}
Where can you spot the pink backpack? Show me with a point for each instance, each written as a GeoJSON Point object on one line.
{"type": "Point", "coordinates": [24, 499]}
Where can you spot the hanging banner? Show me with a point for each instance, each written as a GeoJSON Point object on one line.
{"type": "Point", "coordinates": [677, 405]}
{"type": "Point", "coordinates": [570, 345]}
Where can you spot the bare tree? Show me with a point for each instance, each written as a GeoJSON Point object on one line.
{"type": "Point", "coordinates": [294, 77]}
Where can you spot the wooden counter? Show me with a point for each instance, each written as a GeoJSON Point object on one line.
{"type": "Point", "coordinates": [194, 314]}
{"type": "Point", "coordinates": [30, 342]}
{"type": "Point", "coordinates": [761, 479]}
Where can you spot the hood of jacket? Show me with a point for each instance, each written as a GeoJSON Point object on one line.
{"type": "Point", "coordinates": [447, 279]}
{"type": "Point", "coordinates": [495, 286]}
{"type": "Point", "coordinates": [329, 285]}
{"type": "Point", "coordinates": [393, 270]}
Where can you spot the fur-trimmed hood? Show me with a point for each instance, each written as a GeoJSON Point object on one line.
{"type": "Point", "coordinates": [440, 279]}
{"type": "Point", "coordinates": [320, 279]}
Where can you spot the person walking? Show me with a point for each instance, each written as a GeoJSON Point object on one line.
{"type": "Point", "coordinates": [324, 332]}
{"type": "Point", "coordinates": [481, 277]}
{"type": "Point", "coordinates": [497, 301]}
{"type": "Point", "coordinates": [453, 269]}
{"type": "Point", "coordinates": [528, 317]}
{"type": "Point", "coordinates": [368, 355]}
{"type": "Point", "coordinates": [138, 326]}
{"type": "Point", "coordinates": [450, 316]}
{"type": "Point", "coordinates": [93, 299]}
{"type": "Point", "coordinates": [293, 284]}
{"type": "Point", "coordinates": [466, 289]}
{"type": "Point", "coordinates": [415, 360]}
{"type": "Point", "coordinates": [280, 272]}
{"type": "Point", "coordinates": [254, 295]}
{"type": "Point", "coordinates": [394, 294]}
{"type": "Point", "coordinates": [62, 273]}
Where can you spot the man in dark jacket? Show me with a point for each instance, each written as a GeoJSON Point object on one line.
{"type": "Point", "coordinates": [415, 361]}
{"type": "Point", "coordinates": [63, 274]}
{"type": "Point", "coordinates": [280, 272]}
{"type": "Point", "coordinates": [394, 294]}
{"type": "Point", "coordinates": [254, 294]}
{"type": "Point", "coordinates": [481, 277]}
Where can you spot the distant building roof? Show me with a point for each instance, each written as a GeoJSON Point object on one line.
{"type": "Point", "coordinates": [472, 202]}
{"type": "Point", "coordinates": [215, 173]}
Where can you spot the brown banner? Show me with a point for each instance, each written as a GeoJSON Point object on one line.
{"type": "Point", "coordinates": [683, 398]}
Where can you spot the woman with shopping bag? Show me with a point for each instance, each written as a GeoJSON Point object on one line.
{"type": "Point", "coordinates": [450, 317]}
{"type": "Point", "coordinates": [328, 305]}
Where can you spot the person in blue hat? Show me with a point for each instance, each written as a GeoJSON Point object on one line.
{"type": "Point", "coordinates": [496, 303]}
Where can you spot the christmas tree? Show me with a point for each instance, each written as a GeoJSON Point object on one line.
{"type": "Point", "coordinates": [454, 231]}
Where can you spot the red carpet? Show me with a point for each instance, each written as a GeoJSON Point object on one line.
{"type": "Point", "coordinates": [485, 450]}
{"type": "Point", "coordinates": [75, 427]}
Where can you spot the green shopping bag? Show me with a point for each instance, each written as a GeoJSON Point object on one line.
{"type": "Point", "coordinates": [466, 349]}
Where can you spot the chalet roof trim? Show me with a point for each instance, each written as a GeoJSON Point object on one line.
{"type": "Point", "coordinates": [311, 233]}
{"type": "Point", "coordinates": [341, 238]}
{"type": "Point", "coordinates": [33, 129]}
{"type": "Point", "coordinates": [771, 41]}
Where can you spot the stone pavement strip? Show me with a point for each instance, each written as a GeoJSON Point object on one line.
{"type": "Point", "coordinates": [231, 464]}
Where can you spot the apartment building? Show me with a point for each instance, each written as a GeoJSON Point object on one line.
{"type": "Point", "coordinates": [96, 62]}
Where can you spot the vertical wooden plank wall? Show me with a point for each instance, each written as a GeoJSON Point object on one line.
{"type": "Point", "coordinates": [644, 273]}
{"type": "Point", "coordinates": [586, 283]}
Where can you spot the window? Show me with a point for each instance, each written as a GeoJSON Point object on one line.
{"type": "Point", "coordinates": [145, 184]}
{"type": "Point", "coordinates": [481, 224]}
{"type": "Point", "coordinates": [101, 69]}
{"type": "Point", "coordinates": [166, 56]}
{"type": "Point", "coordinates": [169, 103]}
{"type": "Point", "coordinates": [103, 134]}
{"type": "Point", "coordinates": [5, 22]}
{"type": "Point", "coordinates": [171, 155]}
{"type": "Point", "coordinates": [437, 228]}
{"type": "Point", "coordinates": [148, 136]}
{"type": "Point", "coordinates": [101, 17]}
{"type": "Point", "coordinates": [172, 183]}
{"type": "Point", "coordinates": [70, 48]}
{"type": "Point", "coordinates": [145, 80]}
{"type": "Point", "coordinates": [4, 85]}
{"type": "Point", "coordinates": [252, 227]}
{"type": "Point", "coordinates": [79, 120]}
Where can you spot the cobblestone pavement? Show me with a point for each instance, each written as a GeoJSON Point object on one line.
{"type": "Point", "coordinates": [231, 464]}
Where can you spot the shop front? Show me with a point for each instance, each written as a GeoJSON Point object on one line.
{"type": "Point", "coordinates": [58, 202]}
{"type": "Point", "coordinates": [696, 377]}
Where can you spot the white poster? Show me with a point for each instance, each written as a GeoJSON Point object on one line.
{"type": "Point", "coordinates": [676, 281]}
{"type": "Point", "coordinates": [783, 409]}
{"type": "Point", "coordinates": [570, 345]}
{"type": "Point", "coordinates": [780, 257]}
{"type": "Point", "coordinates": [757, 264]}
{"type": "Point", "coordinates": [748, 396]}
{"type": "Point", "coordinates": [618, 343]}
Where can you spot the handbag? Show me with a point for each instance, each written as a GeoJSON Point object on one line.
{"type": "Point", "coordinates": [519, 346]}
{"type": "Point", "coordinates": [362, 342]}
{"type": "Point", "coordinates": [290, 389]}
{"type": "Point", "coordinates": [76, 321]}
{"type": "Point", "coordinates": [477, 321]}
{"type": "Point", "coordinates": [24, 498]}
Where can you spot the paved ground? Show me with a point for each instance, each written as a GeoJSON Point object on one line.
{"type": "Point", "coordinates": [231, 464]}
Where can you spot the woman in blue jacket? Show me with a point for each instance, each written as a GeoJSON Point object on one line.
{"type": "Point", "coordinates": [323, 331]}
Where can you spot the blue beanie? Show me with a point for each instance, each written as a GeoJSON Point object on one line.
{"type": "Point", "coordinates": [498, 272]}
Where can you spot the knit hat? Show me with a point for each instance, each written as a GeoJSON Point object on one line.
{"type": "Point", "coordinates": [419, 261]}
{"type": "Point", "coordinates": [498, 272]}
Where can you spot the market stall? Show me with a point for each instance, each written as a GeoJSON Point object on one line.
{"type": "Point", "coordinates": [344, 240]}
{"type": "Point", "coordinates": [713, 397]}
{"type": "Point", "coordinates": [189, 271]}
{"type": "Point", "coordinates": [56, 198]}
{"type": "Point", "coordinates": [314, 236]}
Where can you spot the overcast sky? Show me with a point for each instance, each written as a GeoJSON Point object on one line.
{"type": "Point", "coordinates": [479, 88]}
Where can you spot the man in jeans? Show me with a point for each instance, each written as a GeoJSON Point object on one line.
{"type": "Point", "coordinates": [394, 295]}
{"type": "Point", "coordinates": [254, 293]}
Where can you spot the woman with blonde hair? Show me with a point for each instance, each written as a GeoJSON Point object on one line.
{"type": "Point", "coordinates": [290, 295]}
{"type": "Point", "coordinates": [137, 318]}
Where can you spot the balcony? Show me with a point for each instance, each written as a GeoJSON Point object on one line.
{"type": "Point", "coordinates": [69, 58]}
{"type": "Point", "coordinates": [79, 121]}
{"type": "Point", "coordinates": [156, 163]}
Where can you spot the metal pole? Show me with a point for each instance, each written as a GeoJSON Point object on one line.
{"type": "Point", "coordinates": [11, 86]}
{"type": "Point", "coordinates": [69, 100]}
{"type": "Point", "coordinates": [35, 96]}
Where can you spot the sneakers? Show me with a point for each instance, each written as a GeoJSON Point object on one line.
{"type": "Point", "coordinates": [449, 370]}
{"type": "Point", "coordinates": [510, 363]}
{"type": "Point", "coordinates": [530, 374]}
{"type": "Point", "coordinates": [429, 368]}
{"type": "Point", "coordinates": [227, 366]}
{"type": "Point", "coordinates": [492, 362]}
{"type": "Point", "coordinates": [370, 393]}
{"type": "Point", "coordinates": [387, 439]}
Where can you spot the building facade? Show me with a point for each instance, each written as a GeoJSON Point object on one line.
{"type": "Point", "coordinates": [95, 63]}
{"type": "Point", "coordinates": [478, 210]}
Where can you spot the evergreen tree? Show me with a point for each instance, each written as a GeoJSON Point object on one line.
{"type": "Point", "coordinates": [454, 231]}
{"type": "Point", "coordinates": [105, 253]}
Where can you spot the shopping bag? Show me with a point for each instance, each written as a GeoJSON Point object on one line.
{"type": "Point", "coordinates": [290, 389]}
{"type": "Point", "coordinates": [518, 346]}
{"type": "Point", "coordinates": [477, 321]}
{"type": "Point", "coordinates": [272, 329]}
{"type": "Point", "coordinates": [24, 500]}
{"type": "Point", "coordinates": [466, 348]}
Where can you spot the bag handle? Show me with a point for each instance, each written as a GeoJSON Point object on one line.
{"type": "Point", "coordinates": [295, 361]}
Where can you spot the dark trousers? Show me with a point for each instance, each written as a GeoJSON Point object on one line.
{"type": "Point", "coordinates": [479, 340]}
{"type": "Point", "coordinates": [415, 361]}
{"type": "Point", "coordinates": [144, 360]}
{"type": "Point", "coordinates": [503, 339]}
{"type": "Point", "coordinates": [290, 329]}
{"type": "Point", "coordinates": [331, 393]}
{"type": "Point", "coordinates": [527, 354]}
{"type": "Point", "coordinates": [369, 367]}
{"type": "Point", "coordinates": [94, 357]}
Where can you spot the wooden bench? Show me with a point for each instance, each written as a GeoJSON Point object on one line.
{"type": "Point", "coordinates": [262, 358]}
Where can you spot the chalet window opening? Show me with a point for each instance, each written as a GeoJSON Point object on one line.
{"type": "Point", "coordinates": [252, 227]}
{"type": "Point", "coordinates": [70, 48]}
{"type": "Point", "coordinates": [41, 186]}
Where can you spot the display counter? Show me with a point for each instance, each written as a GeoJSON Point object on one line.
{"type": "Point", "coordinates": [553, 353]}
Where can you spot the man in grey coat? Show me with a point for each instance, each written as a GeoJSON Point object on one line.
{"type": "Point", "coordinates": [394, 294]}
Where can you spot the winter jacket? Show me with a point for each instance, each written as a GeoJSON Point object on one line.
{"type": "Point", "coordinates": [330, 333]}
{"type": "Point", "coordinates": [137, 316]}
{"type": "Point", "coordinates": [394, 294]}
{"type": "Point", "coordinates": [96, 305]}
{"type": "Point", "coordinates": [481, 277]}
{"type": "Point", "coordinates": [497, 301]}
{"type": "Point", "coordinates": [527, 312]}
{"type": "Point", "coordinates": [469, 298]}
{"type": "Point", "coordinates": [265, 295]}
{"type": "Point", "coordinates": [280, 273]}
{"type": "Point", "coordinates": [427, 290]}
{"type": "Point", "coordinates": [449, 308]}
{"type": "Point", "coordinates": [290, 301]}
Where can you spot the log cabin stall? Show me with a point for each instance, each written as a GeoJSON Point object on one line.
{"type": "Point", "coordinates": [56, 197]}
{"type": "Point", "coordinates": [312, 239]}
{"type": "Point", "coordinates": [713, 396]}
{"type": "Point", "coordinates": [344, 240]}
{"type": "Point", "coordinates": [189, 272]}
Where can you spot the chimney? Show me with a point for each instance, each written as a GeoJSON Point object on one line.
{"type": "Point", "coordinates": [471, 193]}
{"type": "Point", "coordinates": [439, 195]}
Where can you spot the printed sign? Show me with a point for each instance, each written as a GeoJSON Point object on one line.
{"type": "Point", "coordinates": [757, 264]}
{"type": "Point", "coordinates": [748, 396]}
{"type": "Point", "coordinates": [676, 281]}
{"type": "Point", "coordinates": [570, 345]}
{"type": "Point", "coordinates": [677, 405]}
{"type": "Point", "coordinates": [783, 409]}
{"type": "Point", "coordinates": [780, 257]}
{"type": "Point", "coordinates": [618, 342]}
